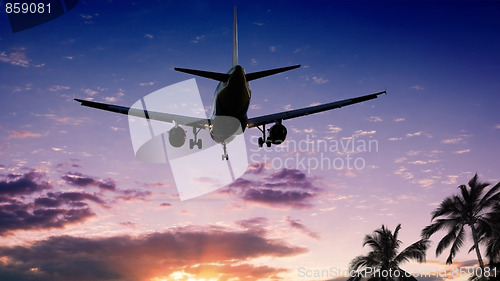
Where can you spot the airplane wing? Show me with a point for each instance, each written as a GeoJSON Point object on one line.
{"type": "Point", "coordinates": [271, 118]}
{"type": "Point", "coordinates": [153, 115]}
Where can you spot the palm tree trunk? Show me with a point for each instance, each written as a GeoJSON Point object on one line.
{"type": "Point", "coordinates": [476, 246]}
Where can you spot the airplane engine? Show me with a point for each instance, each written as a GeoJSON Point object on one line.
{"type": "Point", "coordinates": [177, 136]}
{"type": "Point", "coordinates": [277, 134]}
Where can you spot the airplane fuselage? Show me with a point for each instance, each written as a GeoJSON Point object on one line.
{"type": "Point", "coordinates": [229, 110]}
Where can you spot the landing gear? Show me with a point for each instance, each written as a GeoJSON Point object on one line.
{"type": "Point", "coordinates": [261, 142]}
{"type": "Point", "coordinates": [225, 156]}
{"type": "Point", "coordinates": [262, 139]}
{"type": "Point", "coordinates": [195, 141]}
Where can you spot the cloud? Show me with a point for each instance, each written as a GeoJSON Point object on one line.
{"type": "Point", "coordinates": [272, 49]}
{"type": "Point", "coordinates": [197, 39]}
{"type": "Point", "coordinates": [20, 216]}
{"type": "Point", "coordinates": [426, 182]}
{"type": "Point", "coordinates": [297, 224]}
{"type": "Point", "coordinates": [185, 250]}
{"type": "Point", "coordinates": [497, 126]}
{"type": "Point", "coordinates": [399, 119]}
{"type": "Point", "coordinates": [286, 188]}
{"type": "Point", "coordinates": [56, 88]}
{"type": "Point", "coordinates": [75, 198]}
{"type": "Point", "coordinates": [375, 119]}
{"type": "Point", "coordinates": [319, 80]}
{"type": "Point", "coordinates": [403, 171]}
{"type": "Point", "coordinates": [149, 36]}
{"type": "Point", "coordinates": [134, 194]}
{"type": "Point", "coordinates": [23, 135]}
{"type": "Point", "coordinates": [359, 133]}
{"type": "Point", "coordinates": [256, 168]}
{"type": "Point", "coordinates": [89, 92]}
{"type": "Point", "coordinates": [80, 180]}
{"type": "Point", "coordinates": [394, 139]}
{"type": "Point", "coordinates": [255, 224]}
{"type": "Point", "coordinates": [20, 211]}
{"type": "Point", "coordinates": [452, 179]}
{"type": "Point", "coordinates": [143, 84]}
{"type": "Point", "coordinates": [16, 58]}
{"type": "Point", "coordinates": [456, 140]}
{"type": "Point", "coordinates": [22, 184]}
{"type": "Point", "coordinates": [417, 87]}
{"type": "Point", "coordinates": [418, 162]}
{"type": "Point", "coordinates": [334, 129]}
{"type": "Point", "coordinates": [419, 133]}
{"type": "Point", "coordinates": [462, 151]}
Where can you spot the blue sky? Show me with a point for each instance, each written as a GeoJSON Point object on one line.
{"type": "Point", "coordinates": [72, 170]}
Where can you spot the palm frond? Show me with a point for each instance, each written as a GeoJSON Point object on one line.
{"type": "Point", "coordinates": [464, 192]}
{"type": "Point", "coordinates": [459, 241]}
{"type": "Point", "coordinates": [476, 187]}
{"type": "Point", "coordinates": [446, 207]}
{"type": "Point", "coordinates": [415, 251]}
{"type": "Point", "coordinates": [447, 240]}
{"type": "Point", "coordinates": [373, 241]}
{"type": "Point", "coordinates": [450, 224]}
{"type": "Point", "coordinates": [492, 197]}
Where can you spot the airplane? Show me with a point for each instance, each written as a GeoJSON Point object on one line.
{"type": "Point", "coordinates": [228, 116]}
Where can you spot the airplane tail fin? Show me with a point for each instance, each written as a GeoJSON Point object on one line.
{"type": "Point", "coordinates": [222, 77]}
{"type": "Point", "coordinates": [235, 40]}
{"type": "Point", "coordinates": [264, 73]}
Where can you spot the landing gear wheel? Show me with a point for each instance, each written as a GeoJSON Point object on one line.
{"type": "Point", "coordinates": [225, 156]}
{"type": "Point", "coordinates": [268, 143]}
{"type": "Point", "coordinates": [195, 140]}
{"type": "Point", "coordinates": [261, 142]}
{"type": "Point", "coordinates": [262, 139]}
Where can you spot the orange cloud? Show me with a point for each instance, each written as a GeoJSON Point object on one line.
{"type": "Point", "coordinates": [23, 135]}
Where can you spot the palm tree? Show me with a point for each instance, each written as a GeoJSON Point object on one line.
{"type": "Point", "coordinates": [469, 208]}
{"type": "Point", "coordinates": [490, 237]}
{"type": "Point", "coordinates": [384, 257]}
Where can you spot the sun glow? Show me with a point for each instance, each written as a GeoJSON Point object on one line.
{"type": "Point", "coordinates": [179, 275]}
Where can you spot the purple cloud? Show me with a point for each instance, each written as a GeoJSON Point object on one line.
{"type": "Point", "coordinates": [286, 188]}
{"type": "Point", "coordinates": [304, 229]}
{"type": "Point", "coordinates": [78, 179]}
{"type": "Point", "coordinates": [23, 184]}
{"type": "Point", "coordinates": [20, 212]}
{"type": "Point", "coordinates": [21, 216]}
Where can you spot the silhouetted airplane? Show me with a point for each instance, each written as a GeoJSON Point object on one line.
{"type": "Point", "coordinates": [229, 111]}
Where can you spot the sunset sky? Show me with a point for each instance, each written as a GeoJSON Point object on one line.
{"type": "Point", "coordinates": [75, 204]}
